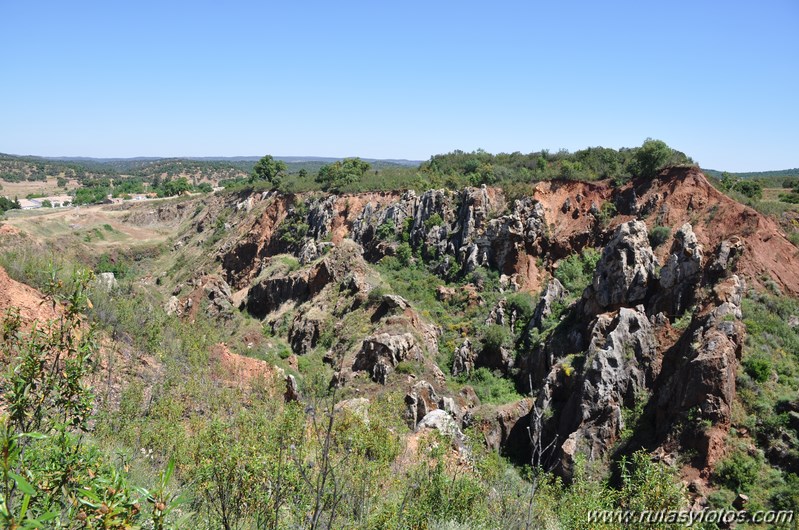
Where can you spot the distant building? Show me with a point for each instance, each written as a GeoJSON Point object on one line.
{"type": "Point", "coordinates": [58, 201]}
{"type": "Point", "coordinates": [30, 204]}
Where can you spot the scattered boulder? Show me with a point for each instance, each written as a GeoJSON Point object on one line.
{"type": "Point", "coordinates": [356, 406]}
{"type": "Point", "coordinates": [441, 421]}
{"type": "Point", "coordinates": [107, 281]}
{"type": "Point", "coordinates": [381, 353]}
{"type": "Point", "coordinates": [292, 390]}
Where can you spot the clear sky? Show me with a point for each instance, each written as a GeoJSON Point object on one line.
{"type": "Point", "coordinates": [718, 80]}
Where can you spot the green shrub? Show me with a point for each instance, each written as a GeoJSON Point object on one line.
{"type": "Point", "coordinates": [738, 472]}
{"type": "Point", "coordinates": [433, 220]}
{"type": "Point", "coordinates": [659, 235]}
{"type": "Point", "coordinates": [404, 253]}
{"type": "Point", "coordinates": [495, 338]}
{"type": "Point", "coordinates": [524, 305]}
{"type": "Point", "coordinates": [577, 271]}
{"type": "Point", "coordinates": [491, 388]}
{"type": "Point", "coordinates": [758, 368]}
{"type": "Point", "coordinates": [386, 231]}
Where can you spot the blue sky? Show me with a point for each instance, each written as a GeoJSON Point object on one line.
{"type": "Point", "coordinates": [717, 80]}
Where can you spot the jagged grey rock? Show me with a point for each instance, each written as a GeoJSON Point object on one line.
{"type": "Point", "coordinates": [682, 270]}
{"type": "Point", "coordinates": [421, 400]}
{"type": "Point", "coordinates": [617, 370]}
{"type": "Point", "coordinates": [107, 281]}
{"type": "Point", "coordinates": [728, 250]}
{"type": "Point", "coordinates": [304, 331]}
{"type": "Point", "coordinates": [320, 215]}
{"type": "Point", "coordinates": [464, 358]}
{"type": "Point", "coordinates": [625, 270]}
{"type": "Point", "coordinates": [381, 353]}
{"type": "Point", "coordinates": [555, 292]}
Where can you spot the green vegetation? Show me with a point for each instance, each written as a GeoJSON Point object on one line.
{"type": "Point", "coordinates": [659, 235]}
{"type": "Point", "coordinates": [651, 158]}
{"type": "Point", "coordinates": [333, 177]}
{"type": "Point", "coordinates": [7, 204]}
{"type": "Point", "coordinates": [269, 170]}
{"type": "Point", "coordinates": [459, 168]}
{"type": "Point", "coordinates": [577, 271]}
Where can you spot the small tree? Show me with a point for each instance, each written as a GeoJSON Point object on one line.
{"type": "Point", "coordinates": [651, 157]}
{"type": "Point", "coordinates": [270, 170]}
{"type": "Point", "coordinates": [335, 176]}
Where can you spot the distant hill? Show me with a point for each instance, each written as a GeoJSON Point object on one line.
{"type": "Point", "coordinates": [15, 168]}
{"type": "Point", "coordinates": [781, 173]}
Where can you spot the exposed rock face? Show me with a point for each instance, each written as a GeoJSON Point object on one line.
{"type": "Point", "coordinates": [624, 272]}
{"type": "Point", "coordinates": [292, 390]}
{"type": "Point", "coordinates": [506, 428]}
{"type": "Point", "coordinates": [618, 369]}
{"type": "Point", "coordinates": [555, 292]}
{"type": "Point", "coordinates": [464, 358]}
{"type": "Point", "coordinates": [218, 293]}
{"type": "Point", "coordinates": [107, 280]}
{"type": "Point", "coordinates": [699, 374]}
{"type": "Point", "coordinates": [320, 216]}
{"type": "Point", "coordinates": [304, 331]}
{"type": "Point", "coordinates": [602, 359]}
{"type": "Point", "coordinates": [267, 295]}
{"type": "Point", "coordinates": [421, 400]}
{"type": "Point", "coordinates": [728, 251]}
{"type": "Point", "coordinates": [380, 354]}
{"type": "Point", "coordinates": [682, 271]}
{"type": "Point", "coordinates": [442, 422]}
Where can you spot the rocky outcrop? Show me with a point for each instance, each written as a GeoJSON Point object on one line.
{"type": "Point", "coordinates": [269, 294]}
{"type": "Point", "coordinates": [443, 423]}
{"type": "Point", "coordinates": [554, 293]}
{"type": "Point", "coordinates": [590, 393]}
{"type": "Point", "coordinates": [464, 358]}
{"type": "Point", "coordinates": [380, 354]}
{"type": "Point", "coordinates": [506, 428]}
{"type": "Point", "coordinates": [728, 251]}
{"type": "Point", "coordinates": [422, 399]}
{"type": "Point", "coordinates": [304, 331]}
{"type": "Point", "coordinates": [699, 373]}
{"type": "Point", "coordinates": [625, 271]}
{"type": "Point", "coordinates": [681, 273]}
{"type": "Point", "coordinates": [106, 281]}
{"type": "Point", "coordinates": [320, 217]}
{"type": "Point", "coordinates": [419, 401]}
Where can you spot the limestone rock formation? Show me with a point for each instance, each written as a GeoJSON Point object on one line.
{"type": "Point", "coordinates": [554, 292]}
{"type": "Point", "coordinates": [464, 358]}
{"type": "Point", "coordinates": [304, 331]}
{"type": "Point", "coordinates": [682, 272]}
{"type": "Point", "coordinates": [381, 353]}
{"type": "Point", "coordinates": [617, 369]}
{"type": "Point", "coordinates": [625, 271]}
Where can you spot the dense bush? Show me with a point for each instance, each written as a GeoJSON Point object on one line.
{"type": "Point", "coordinates": [659, 235]}
{"type": "Point", "coordinates": [576, 271]}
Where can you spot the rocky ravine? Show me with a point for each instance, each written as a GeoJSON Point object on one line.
{"type": "Point", "coordinates": [658, 331]}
